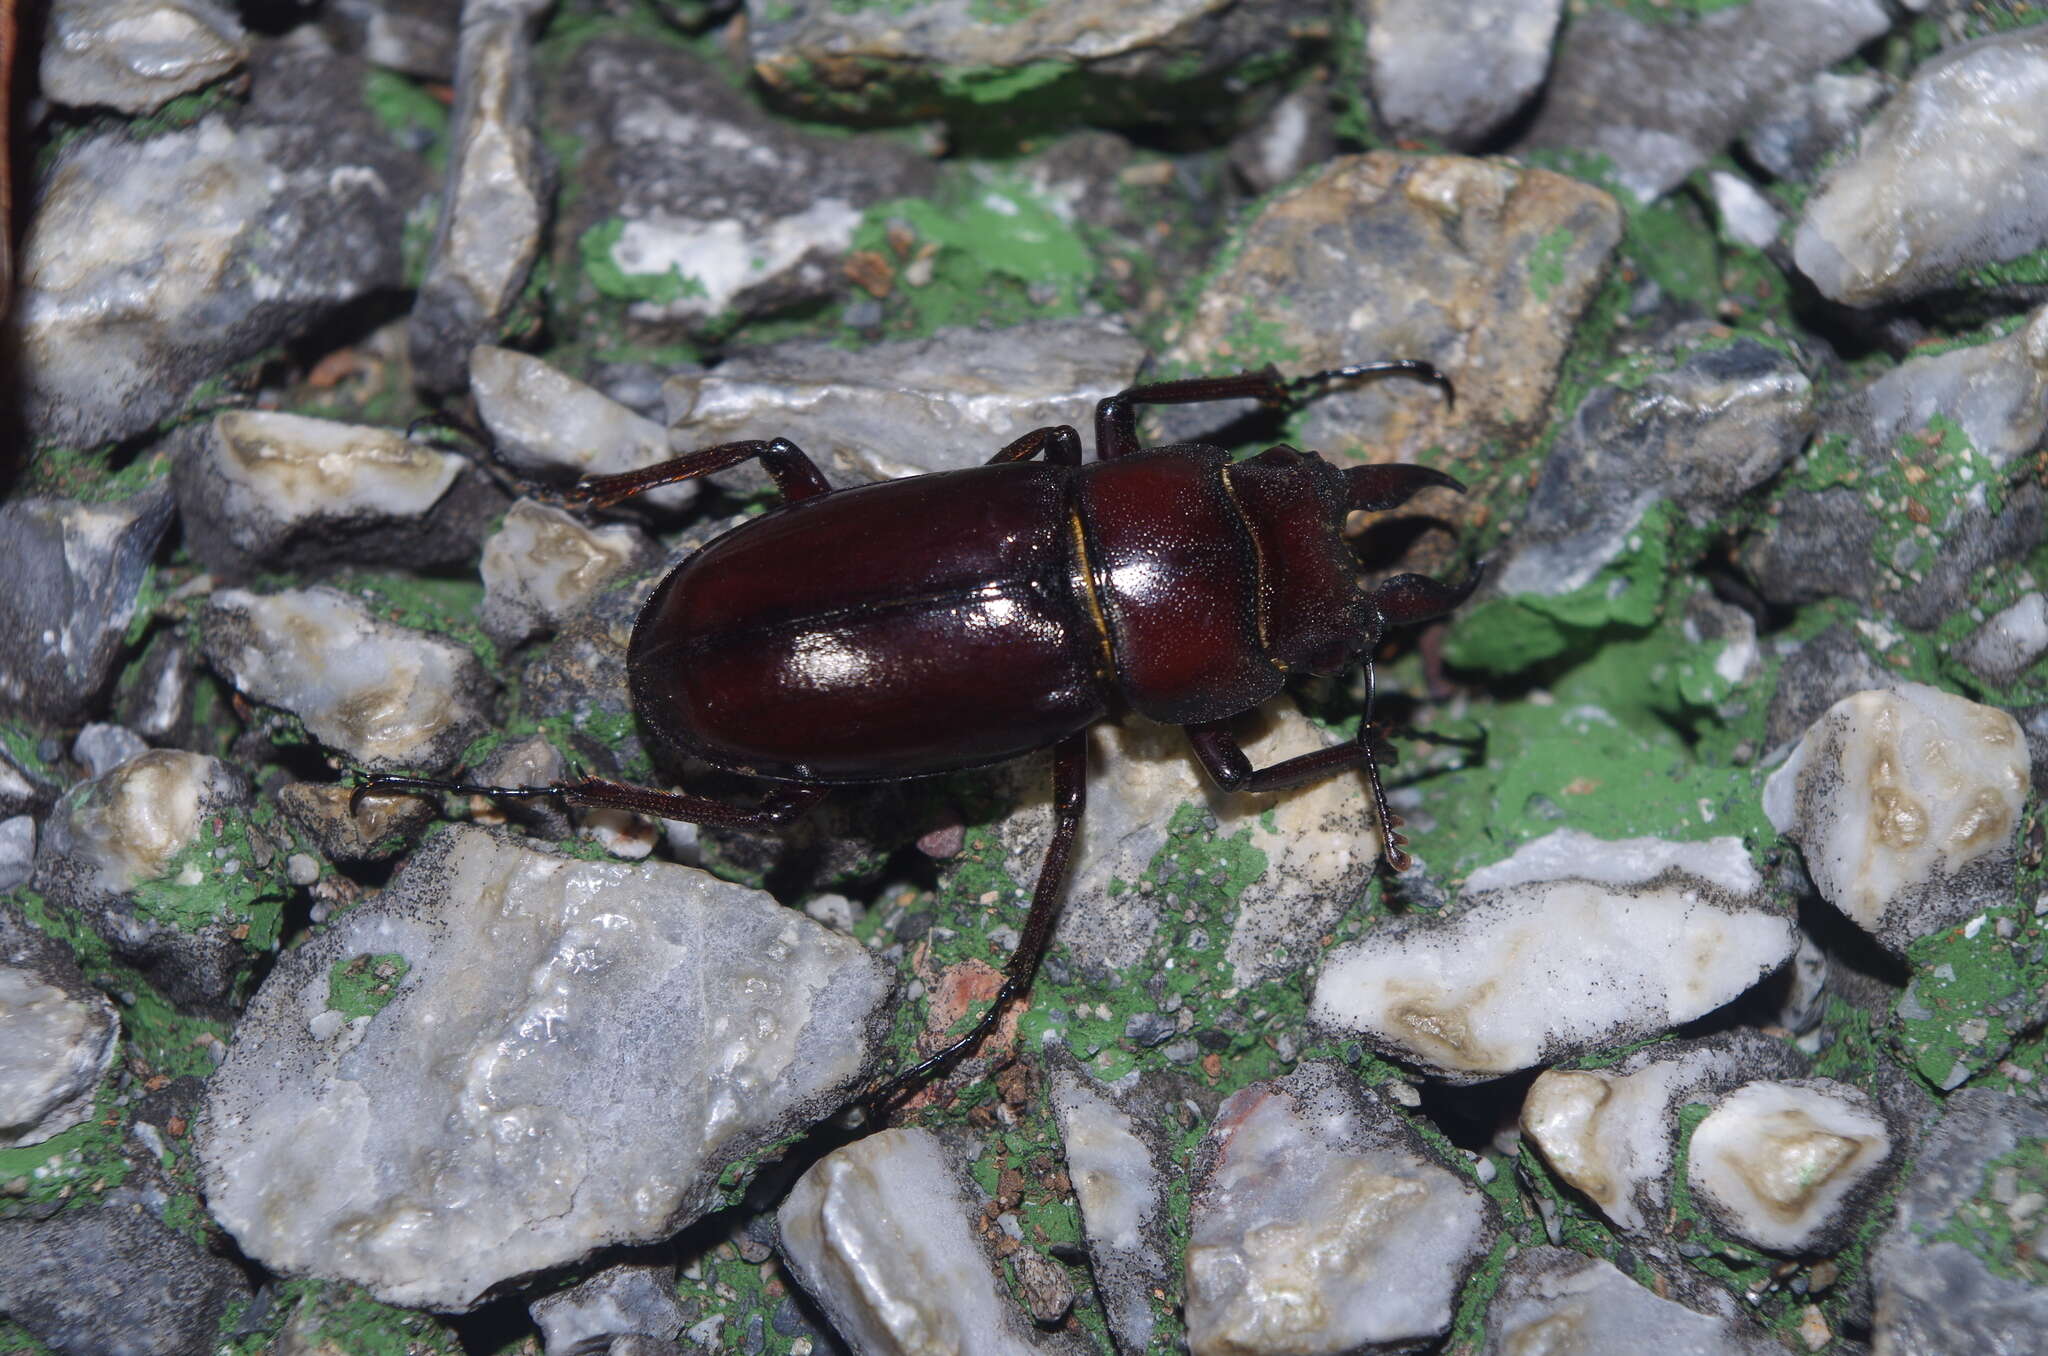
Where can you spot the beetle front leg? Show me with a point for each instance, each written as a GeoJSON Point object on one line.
{"type": "Point", "coordinates": [1062, 446]}
{"type": "Point", "coordinates": [1069, 798]}
{"type": "Point", "coordinates": [1223, 758]}
{"type": "Point", "coordinates": [1116, 419]}
{"type": "Point", "coordinates": [795, 474]}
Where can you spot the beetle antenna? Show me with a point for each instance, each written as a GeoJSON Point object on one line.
{"type": "Point", "coordinates": [494, 462]}
{"type": "Point", "coordinates": [1413, 367]}
{"type": "Point", "coordinates": [392, 784]}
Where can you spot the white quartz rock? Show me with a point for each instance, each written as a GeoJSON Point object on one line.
{"type": "Point", "coordinates": [573, 1053]}
{"type": "Point", "coordinates": [1782, 1165]}
{"type": "Point", "coordinates": [1904, 805]}
{"type": "Point", "coordinates": [1882, 228]}
{"type": "Point", "coordinates": [137, 55]}
{"type": "Point", "coordinates": [877, 1232]}
{"type": "Point", "coordinates": [544, 420]}
{"type": "Point", "coordinates": [386, 695]}
{"type": "Point", "coordinates": [542, 565]}
{"type": "Point", "coordinates": [1611, 1133]}
{"type": "Point", "coordinates": [124, 828]}
{"type": "Point", "coordinates": [1552, 1301]}
{"type": "Point", "coordinates": [1571, 944]}
{"type": "Point", "coordinates": [1322, 1224]}
{"type": "Point", "coordinates": [57, 1048]}
{"type": "Point", "coordinates": [910, 406]}
{"type": "Point", "coordinates": [1121, 1193]}
{"type": "Point", "coordinates": [293, 466]}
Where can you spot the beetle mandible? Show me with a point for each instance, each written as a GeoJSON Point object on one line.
{"type": "Point", "coordinates": [951, 621]}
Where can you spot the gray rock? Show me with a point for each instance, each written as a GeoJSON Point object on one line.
{"type": "Point", "coordinates": [1113, 1160]}
{"type": "Point", "coordinates": [139, 855]}
{"type": "Point", "coordinates": [1570, 945]}
{"type": "Point", "coordinates": [413, 36]}
{"type": "Point", "coordinates": [264, 490]}
{"type": "Point", "coordinates": [1295, 133]}
{"type": "Point", "coordinates": [75, 572]}
{"type": "Point", "coordinates": [693, 204]}
{"type": "Point", "coordinates": [383, 828]}
{"type": "Point", "coordinates": [137, 55]}
{"type": "Point", "coordinates": [1972, 1292]}
{"type": "Point", "coordinates": [1455, 73]}
{"type": "Point", "coordinates": [1158, 60]}
{"type": "Point", "coordinates": [2010, 641]}
{"type": "Point", "coordinates": [61, 1039]}
{"type": "Point", "coordinates": [101, 748]}
{"type": "Point", "coordinates": [1322, 1222]}
{"type": "Point", "coordinates": [386, 695]}
{"type": "Point", "coordinates": [1796, 128]}
{"type": "Point", "coordinates": [151, 264]}
{"type": "Point", "coordinates": [112, 1281]}
{"type": "Point", "coordinates": [904, 408]}
{"type": "Point", "coordinates": [1719, 420]}
{"type": "Point", "coordinates": [572, 1055]}
{"type": "Point", "coordinates": [1882, 228]}
{"type": "Point", "coordinates": [154, 697]}
{"type": "Point", "coordinates": [1816, 675]}
{"type": "Point", "coordinates": [1551, 1298]}
{"type": "Point", "coordinates": [542, 565]}
{"type": "Point", "coordinates": [497, 197]}
{"type": "Point", "coordinates": [877, 1233]}
{"type": "Point", "coordinates": [619, 1301]}
{"type": "Point", "coordinates": [1477, 266]}
{"type": "Point", "coordinates": [17, 849]}
{"type": "Point", "coordinates": [1660, 98]}
{"type": "Point", "coordinates": [547, 422]}
{"type": "Point", "coordinates": [1817, 545]}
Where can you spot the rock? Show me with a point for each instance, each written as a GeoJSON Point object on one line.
{"type": "Point", "coordinates": [137, 55]}
{"type": "Point", "coordinates": [61, 1039]}
{"type": "Point", "coordinates": [497, 199]}
{"type": "Point", "coordinates": [1791, 1167]}
{"type": "Point", "coordinates": [385, 695]}
{"type": "Point", "coordinates": [104, 1278]}
{"type": "Point", "coordinates": [1797, 127]}
{"type": "Point", "coordinates": [2008, 642]}
{"type": "Point", "coordinates": [619, 1301]}
{"type": "Point", "coordinates": [1659, 98]}
{"type": "Point", "coordinates": [907, 407]}
{"type": "Point", "coordinates": [75, 573]}
{"type": "Point", "coordinates": [1455, 74]}
{"type": "Point", "coordinates": [1814, 676]}
{"type": "Point", "coordinates": [1570, 945]}
{"type": "Point", "coordinates": [1957, 1270]}
{"type": "Point", "coordinates": [1114, 1166]}
{"type": "Point", "coordinates": [282, 214]}
{"type": "Point", "coordinates": [1477, 266]}
{"type": "Point", "coordinates": [877, 1233]}
{"type": "Point", "coordinates": [546, 421]}
{"type": "Point", "coordinates": [1881, 228]}
{"type": "Point", "coordinates": [1321, 1222]}
{"type": "Point", "coordinates": [268, 490]}
{"type": "Point", "coordinates": [413, 36]}
{"type": "Point", "coordinates": [695, 207]}
{"type": "Point", "coordinates": [1295, 134]}
{"type": "Point", "coordinates": [571, 1055]}
{"type": "Point", "coordinates": [383, 828]}
{"type": "Point", "coordinates": [1611, 1133]}
{"type": "Point", "coordinates": [101, 748]}
{"type": "Point", "coordinates": [1905, 806]}
{"type": "Point", "coordinates": [1553, 1299]}
{"type": "Point", "coordinates": [154, 698]}
{"type": "Point", "coordinates": [542, 565]}
{"type": "Point", "coordinates": [1172, 59]}
{"type": "Point", "coordinates": [158, 857]}
{"type": "Point", "coordinates": [1747, 216]}
{"type": "Point", "coordinates": [17, 850]}
{"type": "Point", "coordinates": [1724, 414]}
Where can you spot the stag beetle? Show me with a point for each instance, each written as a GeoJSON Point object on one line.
{"type": "Point", "coordinates": [955, 620]}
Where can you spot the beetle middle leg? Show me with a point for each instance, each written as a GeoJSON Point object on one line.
{"type": "Point", "coordinates": [1061, 445]}
{"type": "Point", "coordinates": [1116, 419]}
{"type": "Point", "coordinates": [1069, 798]}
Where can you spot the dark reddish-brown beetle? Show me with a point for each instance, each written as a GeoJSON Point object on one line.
{"type": "Point", "coordinates": [951, 621]}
